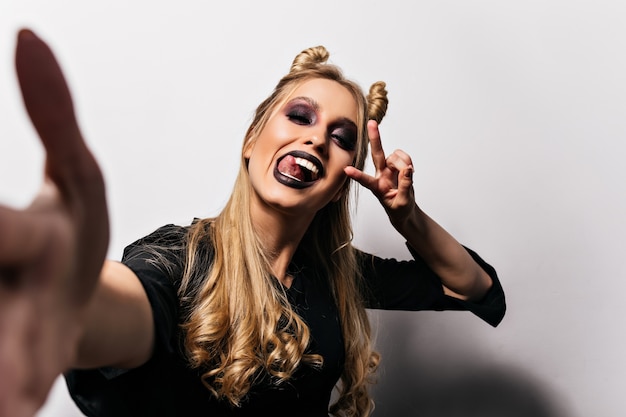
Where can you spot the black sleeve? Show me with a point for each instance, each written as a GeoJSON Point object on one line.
{"type": "Point", "coordinates": [157, 260]}
{"type": "Point", "coordinates": [411, 285]}
{"type": "Point", "coordinates": [107, 391]}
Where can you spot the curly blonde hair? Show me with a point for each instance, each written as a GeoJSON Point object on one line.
{"type": "Point", "coordinates": [239, 325]}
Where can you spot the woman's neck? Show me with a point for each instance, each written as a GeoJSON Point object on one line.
{"type": "Point", "coordinates": [280, 234]}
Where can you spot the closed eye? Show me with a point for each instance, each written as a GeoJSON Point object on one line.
{"type": "Point", "coordinates": [343, 143]}
{"type": "Point", "coordinates": [298, 118]}
{"type": "Point", "coordinates": [301, 113]}
{"type": "Point", "coordinates": [345, 137]}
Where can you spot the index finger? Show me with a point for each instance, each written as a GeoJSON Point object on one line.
{"type": "Point", "coordinates": [378, 155]}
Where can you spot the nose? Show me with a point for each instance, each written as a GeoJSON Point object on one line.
{"type": "Point", "coordinates": [319, 142]}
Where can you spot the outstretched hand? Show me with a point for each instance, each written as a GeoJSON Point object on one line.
{"type": "Point", "coordinates": [392, 182]}
{"type": "Point", "coordinates": [51, 253]}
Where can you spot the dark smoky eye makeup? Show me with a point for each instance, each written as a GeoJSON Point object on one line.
{"type": "Point", "coordinates": [345, 135]}
{"type": "Point", "coordinates": [303, 111]}
{"type": "Point", "coordinates": [300, 112]}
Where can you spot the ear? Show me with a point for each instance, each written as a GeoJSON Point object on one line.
{"type": "Point", "coordinates": [247, 149]}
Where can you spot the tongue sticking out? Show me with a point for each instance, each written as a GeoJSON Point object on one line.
{"type": "Point", "coordinates": [288, 166]}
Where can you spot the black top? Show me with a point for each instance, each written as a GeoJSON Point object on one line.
{"type": "Point", "coordinates": [166, 386]}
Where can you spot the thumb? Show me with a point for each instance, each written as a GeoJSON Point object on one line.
{"type": "Point", "coordinates": [49, 105]}
{"type": "Point", "coordinates": [361, 177]}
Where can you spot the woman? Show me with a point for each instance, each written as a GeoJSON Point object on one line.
{"type": "Point", "coordinates": [258, 310]}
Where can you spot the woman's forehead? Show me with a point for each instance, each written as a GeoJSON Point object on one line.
{"type": "Point", "coordinates": [327, 96]}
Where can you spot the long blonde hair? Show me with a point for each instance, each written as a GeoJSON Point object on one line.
{"type": "Point", "coordinates": [238, 324]}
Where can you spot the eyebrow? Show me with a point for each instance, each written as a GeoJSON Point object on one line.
{"type": "Point", "coordinates": [309, 100]}
{"type": "Point", "coordinates": [316, 106]}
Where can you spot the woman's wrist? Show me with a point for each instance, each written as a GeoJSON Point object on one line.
{"type": "Point", "coordinates": [411, 225]}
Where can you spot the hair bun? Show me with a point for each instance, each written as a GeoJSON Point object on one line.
{"type": "Point", "coordinates": [377, 101]}
{"type": "Point", "coordinates": [310, 57]}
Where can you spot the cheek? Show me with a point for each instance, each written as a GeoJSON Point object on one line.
{"type": "Point", "coordinates": [336, 171]}
{"type": "Point", "coordinates": [342, 159]}
{"type": "Point", "coordinates": [273, 137]}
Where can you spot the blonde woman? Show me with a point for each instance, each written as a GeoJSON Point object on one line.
{"type": "Point", "coordinates": [260, 310]}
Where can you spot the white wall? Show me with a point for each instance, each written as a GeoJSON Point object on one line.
{"type": "Point", "coordinates": [514, 114]}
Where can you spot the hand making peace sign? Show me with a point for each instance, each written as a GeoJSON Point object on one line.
{"type": "Point", "coordinates": [392, 183]}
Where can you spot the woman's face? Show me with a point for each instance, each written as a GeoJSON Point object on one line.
{"type": "Point", "coordinates": [296, 163]}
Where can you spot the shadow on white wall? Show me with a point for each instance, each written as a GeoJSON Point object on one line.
{"type": "Point", "coordinates": [449, 377]}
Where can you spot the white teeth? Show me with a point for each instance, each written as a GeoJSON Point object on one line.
{"type": "Point", "coordinates": [307, 164]}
